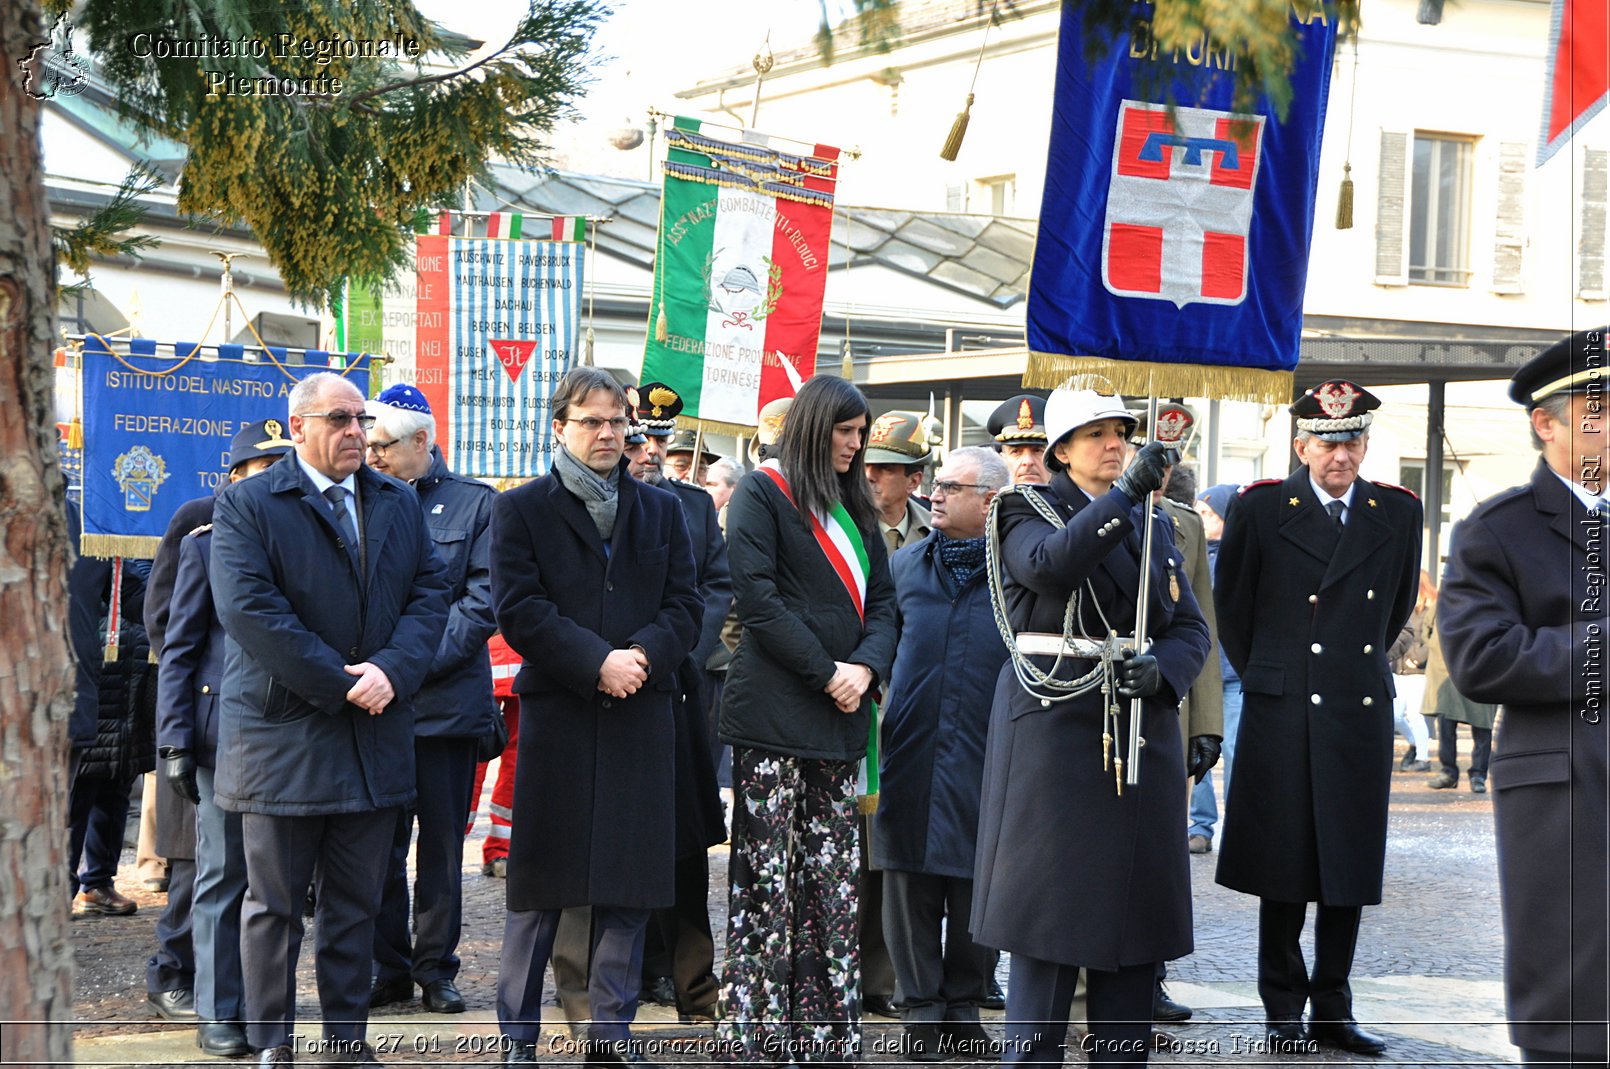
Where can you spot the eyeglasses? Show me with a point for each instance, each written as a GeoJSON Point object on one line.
{"type": "Point", "coordinates": [379, 448]}
{"type": "Point", "coordinates": [592, 424]}
{"type": "Point", "coordinates": [339, 420]}
{"type": "Point", "coordinates": [947, 487]}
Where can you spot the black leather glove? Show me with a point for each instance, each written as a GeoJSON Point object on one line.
{"type": "Point", "coordinates": [179, 769]}
{"type": "Point", "coordinates": [1145, 472]}
{"type": "Point", "coordinates": [1204, 754]}
{"type": "Point", "coordinates": [1138, 676]}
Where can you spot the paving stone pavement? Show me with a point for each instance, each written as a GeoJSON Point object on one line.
{"type": "Point", "coordinates": [1427, 975]}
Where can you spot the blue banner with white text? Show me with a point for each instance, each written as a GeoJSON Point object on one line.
{"type": "Point", "coordinates": [158, 426]}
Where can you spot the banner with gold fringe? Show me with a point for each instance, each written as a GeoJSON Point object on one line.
{"type": "Point", "coordinates": [158, 426]}
{"type": "Point", "coordinates": [739, 273]}
{"type": "Point", "coordinates": [1173, 246]}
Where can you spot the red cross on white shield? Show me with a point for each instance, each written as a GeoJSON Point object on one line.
{"type": "Point", "coordinates": [1179, 207]}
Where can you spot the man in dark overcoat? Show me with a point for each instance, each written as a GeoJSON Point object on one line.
{"type": "Point", "coordinates": [1069, 873]}
{"type": "Point", "coordinates": [333, 599]}
{"type": "Point", "coordinates": [1317, 574]}
{"type": "Point", "coordinates": [931, 762]}
{"type": "Point", "coordinates": [1523, 622]}
{"type": "Point", "coordinates": [453, 711]}
{"type": "Point", "coordinates": [593, 585]}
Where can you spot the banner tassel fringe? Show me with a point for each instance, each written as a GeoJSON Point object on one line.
{"type": "Point", "coordinates": [1344, 200]}
{"type": "Point", "coordinates": [958, 130]}
{"type": "Point", "coordinates": [107, 546]}
{"type": "Point", "coordinates": [662, 332]}
{"type": "Point", "coordinates": [587, 349]}
{"type": "Point", "coordinates": [75, 434]}
{"type": "Point", "coordinates": [1131, 377]}
{"type": "Point", "coordinates": [867, 803]}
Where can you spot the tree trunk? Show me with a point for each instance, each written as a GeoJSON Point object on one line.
{"type": "Point", "coordinates": [36, 987]}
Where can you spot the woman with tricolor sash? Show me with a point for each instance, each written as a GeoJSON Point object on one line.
{"type": "Point", "coordinates": [814, 597]}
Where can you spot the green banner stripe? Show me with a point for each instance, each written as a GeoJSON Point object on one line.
{"type": "Point", "coordinates": [687, 232]}
{"type": "Point", "coordinates": [365, 332]}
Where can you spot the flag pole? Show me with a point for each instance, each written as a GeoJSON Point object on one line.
{"type": "Point", "coordinates": [1144, 596]}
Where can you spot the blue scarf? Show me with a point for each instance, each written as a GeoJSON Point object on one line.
{"type": "Point", "coordinates": [962, 557]}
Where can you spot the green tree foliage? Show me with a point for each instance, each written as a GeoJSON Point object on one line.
{"type": "Point", "coordinates": [330, 181]}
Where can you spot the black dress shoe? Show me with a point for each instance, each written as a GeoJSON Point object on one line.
{"type": "Point", "coordinates": [967, 1041]}
{"type": "Point", "coordinates": [1165, 1010]}
{"type": "Point", "coordinates": [1478, 783]}
{"type": "Point", "coordinates": [660, 990]}
{"type": "Point", "coordinates": [1443, 780]}
{"type": "Point", "coordinates": [177, 1005]}
{"type": "Point", "coordinates": [922, 1042]}
{"type": "Point", "coordinates": [226, 1039]}
{"type": "Point", "coordinates": [994, 998]}
{"type": "Point", "coordinates": [1345, 1035]}
{"type": "Point", "coordinates": [1288, 1037]}
{"type": "Point", "coordinates": [386, 992]}
{"type": "Point", "coordinates": [440, 996]}
{"type": "Point", "coordinates": [880, 1005]}
{"type": "Point", "coordinates": [520, 1052]}
{"type": "Point", "coordinates": [705, 1014]}
{"type": "Point", "coordinates": [280, 1055]}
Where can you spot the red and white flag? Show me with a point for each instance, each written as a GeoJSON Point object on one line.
{"type": "Point", "coordinates": [1578, 71]}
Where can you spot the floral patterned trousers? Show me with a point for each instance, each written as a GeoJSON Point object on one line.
{"type": "Point", "coordinates": [792, 983]}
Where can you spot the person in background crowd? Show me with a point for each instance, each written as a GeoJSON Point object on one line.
{"type": "Point", "coordinates": [1070, 873]}
{"type": "Point", "coordinates": [1212, 505]}
{"type": "Point", "coordinates": [721, 479]}
{"type": "Point", "coordinates": [1443, 701]}
{"type": "Point", "coordinates": [110, 750]}
{"type": "Point", "coordinates": [1018, 427]}
{"type": "Point", "coordinates": [1408, 657]}
{"type": "Point", "coordinates": [334, 601]}
{"type": "Point", "coordinates": [899, 449]}
{"type": "Point", "coordinates": [679, 452]}
{"type": "Point", "coordinates": [453, 712]}
{"type": "Point", "coordinates": [190, 683]}
{"type": "Point", "coordinates": [932, 762]}
{"type": "Point", "coordinates": [593, 584]}
{"type": "Point", "coordinates": [1523, 623]}
{"type": "Point", "coordinates": [811, 578]}
{"type": "Point", "coordinates": [1317, 574]}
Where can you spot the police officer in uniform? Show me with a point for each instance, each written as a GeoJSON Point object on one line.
{"type": "Point", "coordinates": [1070, 873]}
{"type": "Point", "coordinates": [1018, 428]}
{"type": "Point", "coordinates": [1317, 573]}
{"type": "Point", "coordinates": [1522, 618]}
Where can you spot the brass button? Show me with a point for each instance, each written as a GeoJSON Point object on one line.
{"type": "Point", "coordinates": [1368, 648]}
{"type": "Point", "coordinates": [1369, 595]}
{"type": "Point", "coordinates": [205, 689]}
{"type": "Point", "coordinates": [1313, 599]}
{"type": "Point", "coordinates": [1102, 533]}
{"type": "Point", "coordinates": [1315, 699]}
{"type": "Point", "coordinates": [1369, 701]}
{"type": "Point", "coordinates": [1316, 648]}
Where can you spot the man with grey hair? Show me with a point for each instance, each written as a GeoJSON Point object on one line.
{"type": "Point", "coordinates": [452, 714]}
{"type": "Point", "coordinates": [931, 765]}
{"type": "Point", "coordinates": [720, 479]}
{"type": "Point", "coordinates": [326, 650]}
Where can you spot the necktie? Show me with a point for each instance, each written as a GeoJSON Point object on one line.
{"type": "Point", "coordinates": [1335, 508]}
{"type": "Point", "coordinates": [337, 496]}
{"type": "Point", "coordinates": [892, 536]}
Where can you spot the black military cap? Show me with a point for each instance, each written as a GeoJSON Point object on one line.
{"type": "Point", "coordinates": [658, 406]}
{"type": "Point", "coordinates": [684, 441]}
{"type": "Point", "coordinates": [263, 438]}
{"type": "Point", "coordinates": [1335, 411]}
{"type": "Point", "coordinates": [1019, 419]}
{"type": "Point", "coordinates": [1570, 365]}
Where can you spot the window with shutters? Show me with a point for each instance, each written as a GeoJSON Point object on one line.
{"type": "Point", "coordinates": [1590, 239]}
{"type": "Point", "coordinates": [956, 198]}
{"type": "Point", "coordinates": [1439, 210]}
{"type": "Point", "coordinates": [1509, 232]}
{"type": "Point", "coordinates": [998, 195]}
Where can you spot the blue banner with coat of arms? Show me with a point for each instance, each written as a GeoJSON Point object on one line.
{"type": "Point", "coordinates": [1173, 247]}
{"type": "Point", "coordinates": [157, 429]}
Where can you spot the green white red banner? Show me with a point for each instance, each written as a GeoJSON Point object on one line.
{"type": "Point", "coordinates": [740, 272]}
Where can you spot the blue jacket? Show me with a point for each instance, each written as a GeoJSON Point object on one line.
{"type": "Point", "coordinates": [192, 666]}
{"type": "Point", "coordinates": [936, 717]}
{"type": "Point", "coordinates": [456, 699]}
{"type": "Point", "coordinates": [297, 613]}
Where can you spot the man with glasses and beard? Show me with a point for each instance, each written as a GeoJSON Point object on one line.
{"type": "Point", "coordinates": [593, 586]}
{"type": "Point", "coordinates": [326, 649]}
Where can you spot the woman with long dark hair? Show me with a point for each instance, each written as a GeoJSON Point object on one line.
{"type": "Point", "coordinates": [813, 593]}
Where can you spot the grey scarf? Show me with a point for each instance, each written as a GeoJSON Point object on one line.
{"type": "Point", "coordinates": [601, 494]}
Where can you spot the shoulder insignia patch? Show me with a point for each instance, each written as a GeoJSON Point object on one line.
{"type": "Point", "coordinates": [1399, 489]}
{"type": "Point", "coordinates": [1259, 482]}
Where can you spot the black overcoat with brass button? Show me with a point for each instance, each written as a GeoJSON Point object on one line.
{"type": "Point", "coordinates": [1067, 871]}
{"type": "Point", "coordinates": [594, 799]}
{"type": "Point", "coordinates": [1306, 616]}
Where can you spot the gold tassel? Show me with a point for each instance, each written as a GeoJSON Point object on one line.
{"type": "Point", "coordinates": [75, 434]}
{"type": "Point", "coordinates": [847, 365]}
{"type": "Point", "coordinates": [958, 130]}
{"type": "Point", "coordinates": [866, 803]}
{"type": "Point", "coordinates": [587, 348]}
{"type": "Point", "coordinates": [662, 331]}
{"type": "Point", "coordinates": [1344, 200]}
{"type": "Point", "coordinates": [1131, 377]}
